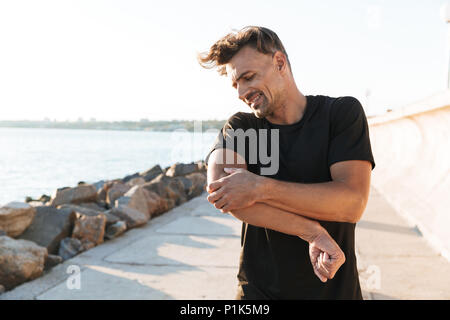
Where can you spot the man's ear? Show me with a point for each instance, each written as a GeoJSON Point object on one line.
{"type": "Point", "coordinates": [279, 60]}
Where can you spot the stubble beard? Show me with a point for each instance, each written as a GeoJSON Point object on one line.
{"type": "Point", "coordinates": [266, 109]}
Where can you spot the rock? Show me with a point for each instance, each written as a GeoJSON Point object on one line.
{"type": "Point", "coordinates": [49, 227]}
{"type": "Point", "coordinates": [15, 217]}
{"type": "Point", "coordinates": [194, 184]}
{"type": "Point", "coordinates": [143, 200]}
{"type": "Point", "coordinates": [99, 184]}
{"type": "Point", "coordinates": [156, 204]}
{"type": "Point", "coordinates": [135, 198]}
{"type": "Point", "coordinates": [70, 247]}
{"type": "Point", "coordinates": [110, 219]}
{"type": "Point", "coordinates": [117, 190]}
{"type": "Point", "coordinates": [132, 217]}
{"type": "Point", "coordinates": [198, 184]}
{"type": "Point", "coordinates": [20, 261]}
{"type": "Point", "coordinates": [151, 173]}
{"type": "Point", "coordinates": [201, 165]}
{"type": "Point", "coordinates": [90, 230]}
{"type": "Point", "coordinates": [92, 206]}
{"type": "Point", "coordinates": [51, 261]}
{"type": "Point", "coordinates": [101, 193]}
{"type": "Point", "coordinates": [136, 182]}
{"type": "Point", "coordinates": [178, 186]}
{"type": "Point", "coordinates": [115, 230]}
{"type": "Point", "coordinates": [2, 289]}
{"type": "Point", "coordinates": [129, 177]}
{"type": "Point", "coordinates": [103, 204]}
{"type": "Point", "coordinates": [172, 189]}
{"type": "Point", "coordinates": [81, 193]}
{"type": "Point", "coordinates": [186, 183]}
{"type": "Point", "coordinates": [87, 244]}
{"type": "Point", "coordinates": [181, 169]}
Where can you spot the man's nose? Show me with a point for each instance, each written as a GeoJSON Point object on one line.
{"type": "Point", "coordinates": [241, 93]}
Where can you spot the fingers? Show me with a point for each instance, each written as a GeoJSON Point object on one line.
{"type": "Point", "coordinates": [316, 256]}
{"type": "Point", "coordinates": [328, 266]}
{"type": "Point", "coordinates": [333, 264]}
{"type": "Point", "coordinates": [318, 269]}
{"type": "Point", "coordinates": [220, 203]}
{"type": "Point", "coordinates": [213, 186]}
{"type": "Point", "coordinates": [319, 275]}
{"type": "Point", "coordinates": [219, 200]}
{"type": "Point", "coordinates": [324, 267]}
{"type": "Point", "coordinates": [330, 257]}
{"type": "Point", "coordinates": [226, 208]}
{"type": "Point", "coordinates": [214, 196]}
{"type": "Point", "coordinates": [324, 270]}
{"type": "Point", "coordinates": [338, 256]}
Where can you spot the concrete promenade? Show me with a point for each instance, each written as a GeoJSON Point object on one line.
{"type": "Point", "coordinates": [192, 251]}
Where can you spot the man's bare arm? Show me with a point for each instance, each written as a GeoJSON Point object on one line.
{"type": "Point", "coordinates": [326, 256]}
{"type": "Point", "coordinates": [343, 199]}
{"type": "Point", "coordinates": [260, 214]}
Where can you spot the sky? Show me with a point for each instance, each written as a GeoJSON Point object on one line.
{"type": "Point", "coordinates": [132, 60]}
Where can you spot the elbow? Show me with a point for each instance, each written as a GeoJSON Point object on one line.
{"type": "Point", "coordinates": [356, 209]}
{"type": "Point", "coordinates": [240, 214]}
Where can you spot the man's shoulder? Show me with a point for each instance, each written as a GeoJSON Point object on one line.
{"type": "Point", "coordinates": [241, 120]}
{"type": "Point", "coordinates": [243, 116]}
{"type": "Point", "coordinates": [338, 107]}
{"type": "Point", "coordinates": [348, 102]}
{"type": "Point", "coordinates": [334, 102]}
{"type": "Point", "coordinates": [347, 108]}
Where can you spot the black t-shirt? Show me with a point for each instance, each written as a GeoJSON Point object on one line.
{"type": "Point", "coordinates": [275, 265]}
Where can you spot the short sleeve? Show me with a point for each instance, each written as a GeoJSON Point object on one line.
{"type": "Point", "coordinates": [237, 121]}
{"type": "Point", "coordinates": [349, 132]}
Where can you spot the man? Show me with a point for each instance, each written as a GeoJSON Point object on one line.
{"type": "Point", "coordinates": [298, 223]}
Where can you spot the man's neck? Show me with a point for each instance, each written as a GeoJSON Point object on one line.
{"type": "Point", "coordinates": [292, 110]}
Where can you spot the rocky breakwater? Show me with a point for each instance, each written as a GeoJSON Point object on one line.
{"type": "Point", "coordinates": [38, 234]}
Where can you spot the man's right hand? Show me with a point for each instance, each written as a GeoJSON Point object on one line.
{"type": "Point", "coordinates": [326, 256]}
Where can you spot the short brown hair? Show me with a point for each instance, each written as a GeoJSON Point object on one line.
{"type": "Point", "coordinates": [262, 39]}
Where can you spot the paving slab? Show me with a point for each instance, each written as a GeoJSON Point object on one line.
{"type": "Point", "coordinates": [395, 261]}
{"type": "Point", "coordinates": [128, 282]}
{"type": "Point", "coordinates": [190, 250]}
{"type": "Point", "coordinates": [203, 225]}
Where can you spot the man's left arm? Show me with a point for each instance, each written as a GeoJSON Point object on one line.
{"type": "Point", "coordinates": [343, 199]}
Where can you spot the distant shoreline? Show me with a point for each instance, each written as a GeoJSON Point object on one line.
{"type": "Point", "coordinates": [115, 125]}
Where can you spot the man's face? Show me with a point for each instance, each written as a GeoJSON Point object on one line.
{"type": "Point", "coordinates": [257, 80]}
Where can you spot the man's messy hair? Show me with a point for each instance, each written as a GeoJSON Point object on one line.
{"type": "Point", "coordinates": [262, 39]}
